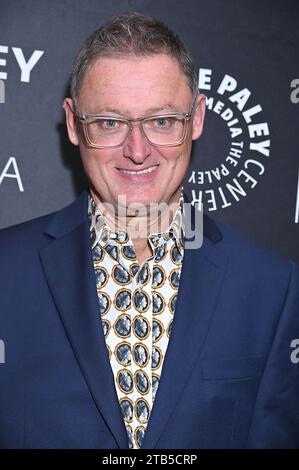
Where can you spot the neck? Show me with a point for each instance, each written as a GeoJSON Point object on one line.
{"type": "Point", "coordinates": [156, 218]}
{"type": "Point", "coordinates": [140, 222]}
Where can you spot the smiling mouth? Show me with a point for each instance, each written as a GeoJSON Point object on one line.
{"type": "Point", "coordinates": [140, 172]}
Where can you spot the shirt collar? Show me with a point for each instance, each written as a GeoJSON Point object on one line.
{"type": "Point", "coordinates": [100, 230]}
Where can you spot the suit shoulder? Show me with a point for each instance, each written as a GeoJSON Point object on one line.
{"type": "Point", "coordinates": [27, 238]}
{"type": "Point", "coordinates": [250, 255]}
{"type": "Point", "coordinates": [33, 229]}
{"type": "Point", "coordinates": [20, 245]}
{"type": "Point", "coordinates": [26, 232]}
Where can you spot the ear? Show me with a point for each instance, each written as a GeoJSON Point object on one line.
{"type": "Point", "coordinates": [198, 117]}
{"type": "Point", "coordinates": [70, 117]}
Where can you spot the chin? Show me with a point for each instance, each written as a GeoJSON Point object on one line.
{"type": "Point", "coordinates": [142, 199]}
{"type": "Point", "coordinates": [134, 202]}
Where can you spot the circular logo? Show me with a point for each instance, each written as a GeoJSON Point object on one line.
{"type": "Point", "coordinates": [235, 146]}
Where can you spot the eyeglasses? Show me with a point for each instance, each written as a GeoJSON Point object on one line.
{"type": "Point", "coordinates": [161, 130]}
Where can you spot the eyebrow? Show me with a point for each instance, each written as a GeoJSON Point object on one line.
{"type": "Point", "coordinates": [156, 109]}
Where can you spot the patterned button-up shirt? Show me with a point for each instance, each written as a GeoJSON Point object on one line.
{"type": "Point", "coordinates": [137, 305]}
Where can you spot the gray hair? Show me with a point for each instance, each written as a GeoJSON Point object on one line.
{"type": "Point", "coordinates": [132, 34]}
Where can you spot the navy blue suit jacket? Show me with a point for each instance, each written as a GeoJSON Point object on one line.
{"type": "Point", "coordinates": [227, 380]}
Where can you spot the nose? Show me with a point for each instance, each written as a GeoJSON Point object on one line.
{"type": "Point", "coordinates": [136, 147]}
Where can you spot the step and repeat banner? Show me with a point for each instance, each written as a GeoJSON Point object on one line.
{"type": "Point", "coordinates": [244, 169]}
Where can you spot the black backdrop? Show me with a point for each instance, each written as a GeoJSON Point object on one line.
{"type": "Point", "coordinates": [244, 168]}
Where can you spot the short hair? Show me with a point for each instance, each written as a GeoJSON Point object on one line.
{"type": "Point", "coordinates": [132, 34]}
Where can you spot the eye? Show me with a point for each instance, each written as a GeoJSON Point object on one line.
{"type": "Point", "coordinates": [159, 123]}
{"type": "Point", "coordinates": [162, 122]}
{"type": "Point", "coordinates": [109, 123]}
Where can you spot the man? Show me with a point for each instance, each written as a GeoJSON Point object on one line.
{"type": "Point", "coordinates": [118, 338]}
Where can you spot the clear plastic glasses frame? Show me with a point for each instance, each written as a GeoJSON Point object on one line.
{"type": "Point", "coordinates": [86, 120]}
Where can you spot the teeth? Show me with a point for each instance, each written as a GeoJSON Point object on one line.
{"type": "Point", "coordinates": [148, 170]}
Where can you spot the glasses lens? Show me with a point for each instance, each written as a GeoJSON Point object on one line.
{"type": "Point", "coordinates": [106, 131]}
{"type": "Point", "coordinates": [163, 130]}
{"type": "Point", "coordinates": [111, 132]}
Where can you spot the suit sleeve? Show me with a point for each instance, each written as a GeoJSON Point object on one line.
{"type": "Point", "coordinates": [275, 421]}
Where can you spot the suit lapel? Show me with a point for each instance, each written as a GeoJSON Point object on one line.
{"type": "Point", "coordinates": [67, 263]}
{"type": "Point", "coordinates": [200, 286]}
{"type": "Point", "coordinates": [68, 267]}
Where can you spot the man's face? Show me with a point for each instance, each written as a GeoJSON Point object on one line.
{"type": "Point", "coordinates": [133, 87]}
